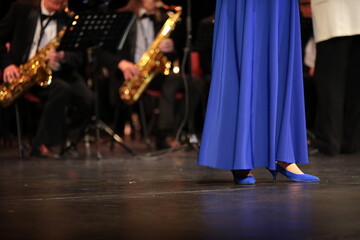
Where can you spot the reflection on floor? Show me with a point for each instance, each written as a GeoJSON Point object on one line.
{"type": "Point", "coordinates": [166, 195]}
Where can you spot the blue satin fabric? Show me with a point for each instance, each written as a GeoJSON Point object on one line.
{"type": "Point", "coordinates": [255, 113]}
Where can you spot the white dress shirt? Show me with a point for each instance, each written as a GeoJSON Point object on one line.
{"type": "Point", "coordinates": [144, 35]}
{"type": "Point", "coordinates": [50, 32]}
{"type": "Point", "coordinates": [310, 53]}
{"type": "Point", "coordinates": [335, 18]}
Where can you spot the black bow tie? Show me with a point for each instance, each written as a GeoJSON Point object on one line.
{"type": "Point", "coordinates": [150, 16]}
{"type": "Point", "coordinates": [50, 17]}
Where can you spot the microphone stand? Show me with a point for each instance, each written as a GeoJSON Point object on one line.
{"type": "Point", "coordinates": [86, 33]}
{"type": "Point", "coordinates": [190, 138]}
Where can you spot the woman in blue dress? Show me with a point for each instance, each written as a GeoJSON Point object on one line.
{"type": "Point", "coordinates": [255, 114]}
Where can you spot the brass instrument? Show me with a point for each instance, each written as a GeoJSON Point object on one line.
{"type": "Point", "coordinates": [35, 71]}
{"type": "Point", "coordinates": [151, 63]}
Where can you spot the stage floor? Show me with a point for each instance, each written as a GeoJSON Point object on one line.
{"type": "Point", "coordinates": [166, 195]}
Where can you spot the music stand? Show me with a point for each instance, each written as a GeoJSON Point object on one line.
{"type": "Point", "coordinates": [93, 31]}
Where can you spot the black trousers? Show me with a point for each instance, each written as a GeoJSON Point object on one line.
{"type": "Point", "coordinates": [170, 85]}
{"type": "Point", "coordinates": [337, 79]}
{"type": "Point", "coordinates": [58, 98]}
{"type": "Point", "coordinates": [170, 114]}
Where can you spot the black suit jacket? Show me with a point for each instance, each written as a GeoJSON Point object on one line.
{"type": "Point", "coordinates": [18, 28]}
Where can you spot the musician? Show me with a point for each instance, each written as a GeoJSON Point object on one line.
{"type": "Point", "coordinates": [149, 20]}
{"type": "Point", "coordinates": [28, 28]}
{"type": "Point", "coordinates": [337, 73]}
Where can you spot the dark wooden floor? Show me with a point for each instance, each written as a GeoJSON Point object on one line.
{"type": "Point", "coordinates": [168, 196]}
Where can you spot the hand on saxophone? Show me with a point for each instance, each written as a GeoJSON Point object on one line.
{"type": "Point", "coordinates": [129, 69]}
{"type": "Point", "coordinates": [166, 45]}
{"type": "Point", "coordinates": [54, 58]}
{"type": "Point", "coordinates": [11, 73]}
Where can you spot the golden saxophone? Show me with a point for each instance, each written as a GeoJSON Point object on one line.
{"type": "Point", "coordinates": [151, 63]}
{"type": "Point", "coordinates": [35, 71]}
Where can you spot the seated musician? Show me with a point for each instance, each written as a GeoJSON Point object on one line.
{"type": "Point", "coordinates": [28, 28]}
{"type": "Point", "coordinates": [149, 20]}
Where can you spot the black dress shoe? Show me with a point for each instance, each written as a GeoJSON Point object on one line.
{"type": "Point", "coordinates": [43, 152]}
{"type": "Point", "coordinates": [70, 152]}
{"type": "Point", "coordinates": [167, 142]}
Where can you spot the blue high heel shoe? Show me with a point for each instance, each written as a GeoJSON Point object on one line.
{"type": "Point", "coordinates": [292, 176]}
{"type": "Point", "coordinates": [243, 180]}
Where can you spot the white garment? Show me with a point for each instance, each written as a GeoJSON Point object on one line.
{"type": "Point", "coordinates": [335, 18]}
{"type": "Point", "coordinates": [50, 32]}
{"type": "Point", "coordinates": [310, 53]}
{"type": "Point", "coordinates": [144, 35]}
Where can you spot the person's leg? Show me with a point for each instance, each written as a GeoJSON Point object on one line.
{"type": "Point", "coordinates": [351, 140]}
{"type": "Point", "coordinates": [330, 75]}
{"type": "Point", "coordinates": [167, 105]}
{"type": "Point", "coordinates": [197, 88]}
{"type": "Point", "coordinates": [51, 126]}
{"type": "Point", "coordinates": [120, 109]}
{"type": "Point", "coordinates": [170, 86]}
{"type": "Point", "coordinates": [82, 101]}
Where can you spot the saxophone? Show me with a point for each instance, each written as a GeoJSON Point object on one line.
{"type": "Point", "coordinates": [151, 63]}
{"type": "Point", "coordinates": [35, 71]}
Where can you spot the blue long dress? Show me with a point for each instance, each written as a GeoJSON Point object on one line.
{"type": "Point", "coordinates": [255, 113]}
